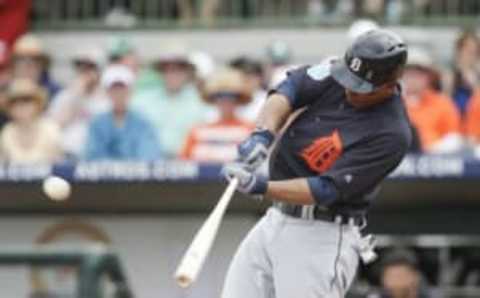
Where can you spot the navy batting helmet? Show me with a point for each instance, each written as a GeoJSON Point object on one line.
{"type": "Point", "coordinates": [374, 58]}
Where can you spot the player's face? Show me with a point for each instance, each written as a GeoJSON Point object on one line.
{"type": "Point", "coordinates": [365, 100]}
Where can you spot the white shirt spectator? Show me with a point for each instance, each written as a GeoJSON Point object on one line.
{"type": "Point", "coordinates": [73, 111]}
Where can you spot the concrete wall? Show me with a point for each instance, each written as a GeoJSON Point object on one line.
{"type": "Point", "coordinates": [149, 246]}
{"type": "Point", "coordinates": [309, 45]}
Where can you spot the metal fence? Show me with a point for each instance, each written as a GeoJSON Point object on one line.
{"type": "Point", "coordinates": [85, 14]}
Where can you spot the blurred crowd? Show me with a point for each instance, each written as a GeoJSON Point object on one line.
{"type": "Point", "coordinates": [185, 105]}
{"type": "Point", "coordinates": [182, 105]}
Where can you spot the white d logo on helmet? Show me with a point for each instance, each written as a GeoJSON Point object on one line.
{"type": "Point", "coordinates": [355, 64]}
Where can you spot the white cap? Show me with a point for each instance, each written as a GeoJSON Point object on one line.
{"type": "Point", "coordinates": [117, 73]}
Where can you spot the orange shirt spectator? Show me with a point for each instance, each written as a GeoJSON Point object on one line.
{"type": "Point", "coordinates": [435, 116]}
{"type": "Point", "coordinates": [472, 121]}
{"type": "Point", "coordinates": [218, 141]}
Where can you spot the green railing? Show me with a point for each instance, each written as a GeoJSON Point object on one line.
{"type": "Point", "coordinates": [91, 263]}
{"type": "Point", "coordinates": [101, 14]}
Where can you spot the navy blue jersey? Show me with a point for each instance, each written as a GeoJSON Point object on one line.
{"type": "Point", "coordinates": [354, 148]}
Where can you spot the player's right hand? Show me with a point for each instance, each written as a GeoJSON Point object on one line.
{"type": "Point", "coordinates": [248, 182]}
{"type": "Point", "coordinates": [254, 150]}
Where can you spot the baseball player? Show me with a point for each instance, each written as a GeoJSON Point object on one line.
{"type": "Point", "coordinates": [353, 132]}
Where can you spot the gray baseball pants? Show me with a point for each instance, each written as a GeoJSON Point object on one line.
{"type": "Point", "coordinates": [287, 257]}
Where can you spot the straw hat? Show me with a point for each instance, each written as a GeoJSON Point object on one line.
{"type": "Point", "coordinates": [29, 45]}
{"type": "Point", "coordinates": [26, 88]}
{"type": "Point", "coordinates": [227, 81]}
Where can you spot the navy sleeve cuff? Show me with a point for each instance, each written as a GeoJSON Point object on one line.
{"type": "Point", "coordinates": [323, 190]}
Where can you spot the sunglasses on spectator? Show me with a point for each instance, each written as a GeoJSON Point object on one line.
{"type": "Point", "coordinates": [21, 99]}
{"type": "Point", "coordinates": [84, 65]}
{"type": "Point", "coordinates": [230, 96]}
{"type": "Point", "coordinates": [28, 58]}
{"type": "Point", "coordinates": [173, 65]}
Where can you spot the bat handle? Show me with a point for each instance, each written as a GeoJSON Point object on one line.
{"type": "Point", "coordinates": [233, 184]}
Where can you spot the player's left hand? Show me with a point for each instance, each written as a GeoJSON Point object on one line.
{"type": "Point", "coordinates": [248, 183]}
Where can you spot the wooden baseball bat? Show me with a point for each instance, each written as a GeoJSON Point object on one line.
{"type": "Point", "coordinates": [196, 254]}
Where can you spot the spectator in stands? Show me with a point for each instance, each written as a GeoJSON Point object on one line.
{"type": "Point", "coordinates": [120, 134]}
{"type": "Point", "coordinates": [28, 137]}
{"type": "Point", "coordinates": [31, 61]}
{"type": "Point", "coordinates": [279, 58]}
{"type": "Point", "coordinates": [121, 51]}
{"type": "Point", "coordinates": [5, 78]}
{"type": "Point", "coordinates": [400, 277]}
{"type": "Point", "coordinates": [204, 65]}
{"type": "Point", "coordinates": [218, 141]}
{"type": "Point", "coordinates": [472, 121]}
{"type": "Point", "coordinates": [176, 107]}
{"type": "Point", "coordinates": [74, 107]}
{"type": "Point", "coordinates": [433, 115]}
{"type": "Point", "coordinates": [360, 27]}
{"type": "Point", "coordinates": [253, 70]}
{"type": "Point", "coordinates": [465, 76]}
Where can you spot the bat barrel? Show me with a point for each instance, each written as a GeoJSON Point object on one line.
{"type": "Point", "coordinates": [196, 254]}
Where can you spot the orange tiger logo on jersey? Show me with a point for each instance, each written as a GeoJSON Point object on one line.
{"type": "Point", "coordinates": [323, 152]}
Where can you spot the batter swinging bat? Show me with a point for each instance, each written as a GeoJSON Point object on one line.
{"type": "Point", "coordinates": [196, 254]}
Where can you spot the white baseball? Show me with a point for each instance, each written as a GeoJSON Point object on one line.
{"type": "Point", "coordinates": [56, 188]}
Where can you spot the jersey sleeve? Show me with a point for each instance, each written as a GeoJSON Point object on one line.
{"type": "Point", "coordinates": [291, 87]}
{"type": "Point", "coordinates": [305, 84]}
{"type": "Point", "coordinates": [363, 167]}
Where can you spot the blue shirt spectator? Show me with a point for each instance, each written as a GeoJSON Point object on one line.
{"type": "Point", "coordinates": [120, 134]}
{"type": "Point", "coordinates": [465, 77]}
{"type": "Point", "coordinates": [134, 140]}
